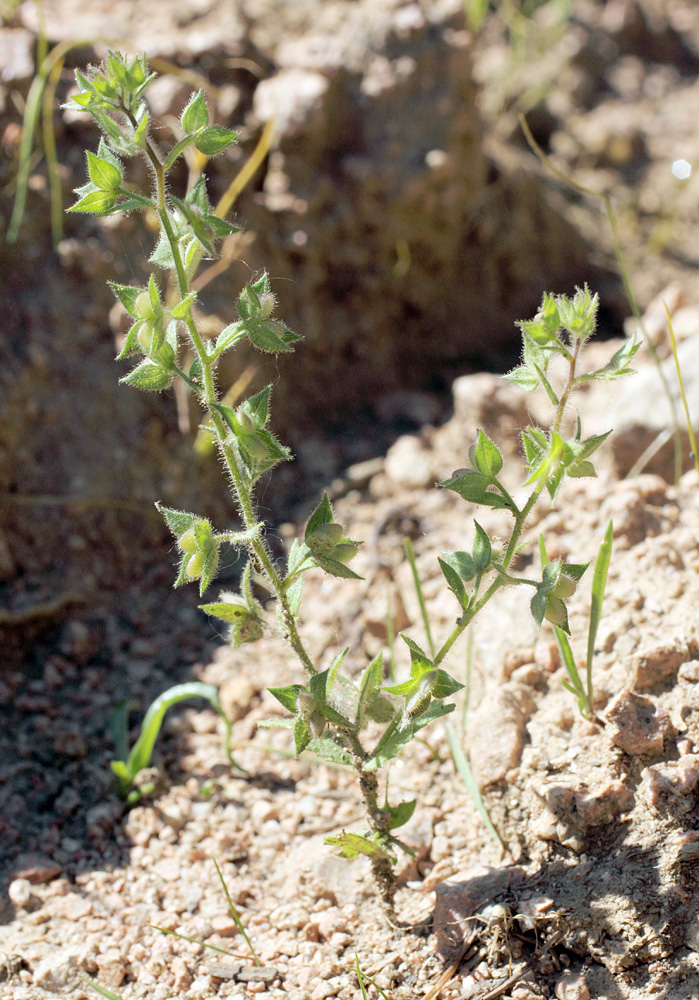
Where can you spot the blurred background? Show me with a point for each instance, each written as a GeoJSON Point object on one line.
{"type": "Point", "coordinates": [383, 179]}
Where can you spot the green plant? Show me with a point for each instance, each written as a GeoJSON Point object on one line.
{"type": "Point", "coordinates": [330, 713]}
{"type": "Point", "coordinates": [129, 764]}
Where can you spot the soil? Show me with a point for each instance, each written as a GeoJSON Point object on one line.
{"type": "Point", "coordinates": [591, 891]}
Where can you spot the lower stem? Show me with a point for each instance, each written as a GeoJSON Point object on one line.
{"type": "Point", "coordinates": [381, 867]}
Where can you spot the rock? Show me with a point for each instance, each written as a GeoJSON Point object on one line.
{"type": "Point", "coordinates": [572, 986]}
{"type": "Point", "coordinates": [637, 726]}
{"type": "Point", "coordinates": [637, 425]}
{"type": "Point", "coordinates": [658, 662]}
{"type": "Point", "coordinates": [20, 892]}
{"type": "Point", "coordinates": [236, 696]}
{"type": "Point", "coordinates": [35, 868]}
{"type": "Point", "coordinates": [496, 732]}
{"type": "Point", "coordinates": [409, 463]}
{"type": "Point", "coordinates": [464, 895]}
{"type": "Point", "coordinates": [16, 55]}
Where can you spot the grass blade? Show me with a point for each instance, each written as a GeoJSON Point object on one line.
{"type": "Point", "coordinates": [464, 768]}
{"type": "Point", "coordinates": [599, 582]}
{"type": "Point", "coordinates": [100, 989]}
{"type": "Point", "coordinates": [684, 398]}
{"type": "Point", "coordinates": [234, 914]}
{"type": "Point", "coordinates": [410, 554]}
{"type": "Point", "coordinates": [575, 686]}
{"type": "Point", "coordinates": [361, 977]}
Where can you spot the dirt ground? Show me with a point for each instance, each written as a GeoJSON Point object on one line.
{"type": "Point", "coordinates": [592, 892]}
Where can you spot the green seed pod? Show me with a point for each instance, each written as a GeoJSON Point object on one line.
{"type": "Point", "coordinates": [343, 553]}
{"type": "Point", "coordinates": [145, 334]}
{"type": "Point", "coordinates": [555, 611]}
{"type": "Point", "coordinates": [143, 307]}
{"type": "Point", "coordinates": [267, 304]}
{"type": "Point", "coordinates": [245, 422]}
{"type": "Point", "coordinates": [195, 566]}
{"type": "Point", "coordinates": [255, 447]}
{"type": "Point", "coordinates": [331, 533]}
{"type": "Point", "coordinates": [305, 703]}
{"type": "Point", "coordinates": [565, 587]}
{"type": "Point", "coordinates": [316, 723]}
{"type": "Point", "coordinates": [188, 541]}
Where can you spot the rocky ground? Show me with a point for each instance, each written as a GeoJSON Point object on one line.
{"type": "Point", "coordinates": [592, 892]}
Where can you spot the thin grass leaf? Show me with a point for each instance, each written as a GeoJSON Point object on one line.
{"type": "Point", "coordinates": [103, 991]}
{"type": "Point", "coordinates": [599, 582]}
{"type": "Point", "coordinates": [575, 685]}
{"type": "Point", "coordinates": [202, 944]}
{"type": "Point", "coordinates": [464, 768]}
{"type": "Point", "coordinates": [690, 429]}
{"type": "Point", "coordinates": [362, 977]}
{"type": "Point", "coordinates": [390, 638]}
{"type": "Point", "coordinates": [410, 553]}
{"type": "Point", "coordinates": [234, 914]}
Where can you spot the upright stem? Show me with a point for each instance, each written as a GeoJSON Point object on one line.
{"type": "Point", "coordinates": [208, 398]}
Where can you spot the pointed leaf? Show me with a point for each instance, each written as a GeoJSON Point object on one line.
{"type": "Point", "coordinates": [486, 457]}
{"type": "Point", "coordinates": [401, 814]}
{"type": "Point", "coordinates": [195, 115]}
{"type": "Point", "coordinates": [454, 582]}
{"type": "Point", "coordinates": [482, 549]}
{"type": "Point", "coordinates": [148, 376]}
{"type": "Point", "coordinates": [213, 140]}
{"type": "Point", "coordinates": [352, 845]}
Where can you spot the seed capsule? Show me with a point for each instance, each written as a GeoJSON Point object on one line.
{"type": "Point", "coordinates": [565, 587]}
{"type": "Point", "coordinates": [195, 566]}
{"type": "Point", "coordinates": [188, 541]}
{"type": "Point", "coordinates": [143, 307]}
{"type": "Point", "coordinates": [555, 611]}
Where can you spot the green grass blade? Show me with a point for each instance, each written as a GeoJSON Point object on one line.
{"type": "Point", "coordinates": [390, 638]}
{"type": "Point", "coordinates": [464, 768]}
{"type": "Point", "coordinates": [475, 11]}
{"type": "Point", "coordinates": [100, 989]}
{"type": "Point", "coordinates": [361, 977]}
{"type": "Point", "coordinates": [569, 663]}
{"type": "Point", "coordinates": [202, 944]}
{"type": "Point", "coordinates": [690, 429]}
{"type": "Point", "coordinates": [234, 914]}
{"type": "Point", "coordinates": [599, 582]}
{"type": "Point", "coordinates": [49, 140]}
{"type": "Point", "coordinates": [410, 554]}
{"type": "Point", "coordinates": [142, 750]}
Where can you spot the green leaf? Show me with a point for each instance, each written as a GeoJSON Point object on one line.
{"type": "Point", "coordinates": [352, 845]}
{"type": "Point", "coordinates": [178, 521]}
{"type": "Point", "coordinates": [454, 582]}
{"type": "Point", "coordinates": [369, 686]}
{"type": "Point", "coordinates": [258, 406]}
{"type": "Point", "coordinates": [401, 814]}
{"type": "Point", "coordinates": [462, 562]}
{"type": "Point", "coordinates": [335, 666]}
{"type": "Point", "coordinates": [131, 345]}
{"type": "Point", "coordinates": [420, 662]}
{"type": "Point", "coordinates": [482, 549]}
{"type": "Point", "coordinates": [473, 487]}
{"type": "Point", "coordinates": [599, 583]}
{"type": "Point", "coordinates": [524, 378]}
{"type": "Point", "coordinates": [486, 457]}
{"type": "Point", "coordinates": [95, 203]}
{"type": "Point", "coordinates": [213, 140]}
{"type": "Point", "coordinates": [395, 739]}
{"type": "Point", "coordinates": [195, 115]}
{"type": "Point", "coordinates": [323, 514]}
{"type": "Point", "coordinates": [103, 173]}
{"type": "Point", "coordinates": [538, 607]}
{"type": "Point", "coordinates": [335, 568]}
{"type": "Point", "coordinates": [229, 337]}
{"type": "Point", "coordinates": [148, 376]}
{"type": "Point", "coordinates": [464, 769]}
{"type": "Point", "coordinates": [183, 307]}
{"type": "Point", "coordinates": [127, 295]}
{"type": "Point", "coordinates": [226, 611]}
{"type": "Point", "coordinates": [302, 736]}
{"type": "Point", "coordinates": [444, 685]}
{"type": "Point", "coordinates": [326, 749]}
{"type": "Point", "coordinates": [287, 696]}
{"type": "Point", "coordinates": [268, 336]}
{"type": "Point", "coordinates": [617, 366]}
